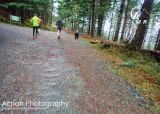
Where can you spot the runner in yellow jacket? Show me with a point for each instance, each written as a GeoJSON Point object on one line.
{"type": "Point", "coordinates": [35, 21]}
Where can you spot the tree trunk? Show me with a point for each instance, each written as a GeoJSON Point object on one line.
{"type": "Point", "coordinates": [125, 20]}
{"type": "Point", "coordinates": [129, 30]}
{"type": "Point", "coordinates": [143, 25]}
{"type": "Point", "coordinates": [100, 20]}
{"type": "Point", "coordinates": [72, 23]}
{"type": "Point", "coordinates": [77, 25]}
{"type": "Point", "coordinates": [51, 13]}
{"type": "Point", "coordinates": [112, 19]}
{"type": "Point", "coordinates": [100, 23]}
{"type": "Point", "coordinates": [83, 26]}
{"type": "Point", "coordinates": [64, 23]}
{"type": "Point", "coordinates": [89, 25]}
{"type": "Point", "coordinates": [110, 27]}
{"type": "Point", "coordinates": [22, 14]}
{"type": "Point", "coordinates": [150, 35]}
{"type": "Point", "coordinates": [157, 46]}
{"type": "Point", "coordinates": [44, 15]}
{"type": "Point", "coordinates": [119, 21]}
{"type": "Point", "coordinates": [93, 17]}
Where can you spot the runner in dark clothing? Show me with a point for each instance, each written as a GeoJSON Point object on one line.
{"type": "Point", "coordinates": [59, 25]}
{"type": "Point", "coordinates": [76, 35]}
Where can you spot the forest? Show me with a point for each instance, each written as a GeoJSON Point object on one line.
{"type": "Point", "coordinates": [127, 32]}
{"type": "Point", "coordinates": [132, 21]}
{"type": "Point", "coordinates": [26, 8]}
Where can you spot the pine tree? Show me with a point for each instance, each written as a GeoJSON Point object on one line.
{"type": "Point", "coordinates": [143, 25]}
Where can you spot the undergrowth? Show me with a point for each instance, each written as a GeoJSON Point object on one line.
{"type": "Point", "coordinates": [28, 24]}
{"type": "Point", "coordinates": [139, 70]}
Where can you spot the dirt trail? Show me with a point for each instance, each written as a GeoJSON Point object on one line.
{"type": "Point", "coordinates": [66, 70]}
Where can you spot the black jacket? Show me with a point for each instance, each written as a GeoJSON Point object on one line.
{"type": "Point", "coordinates": [59, 25]}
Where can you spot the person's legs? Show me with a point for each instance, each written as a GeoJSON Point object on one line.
{"type": "Point", "coordinates": [59, 31]}
{"type": "Point", "coordinates": [77, 36]}
{"type": "Point", "coordinates": [34, 29]}
{"type": "Point", "coordinates": [39, 29]}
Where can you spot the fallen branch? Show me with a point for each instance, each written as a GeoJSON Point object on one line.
{"type": "Point", "coordinates": [154, 53]}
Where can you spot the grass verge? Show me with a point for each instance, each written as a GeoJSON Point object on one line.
{"type": "Point", "coordinates": [140, 71]}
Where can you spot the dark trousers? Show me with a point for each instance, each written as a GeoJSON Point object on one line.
{"type": "Point", "coordinates": [35, 31]}
{"type": "Point", "coordinates": [76, 36]}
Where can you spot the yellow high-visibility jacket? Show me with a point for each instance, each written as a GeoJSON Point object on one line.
{"type": "Point", "coordinates": [35, 21]}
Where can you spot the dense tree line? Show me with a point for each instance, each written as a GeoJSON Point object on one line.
{"type": "Point", "coordinates": [26, 8]}
{"type": "Point", "coordinates": [89, 16]}
{"type": "Point", "coordinates": [137, 29]}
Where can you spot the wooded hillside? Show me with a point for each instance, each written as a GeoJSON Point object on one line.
{"type": "Point", "coordinates": [26, 8]}
{"type": "Point", "coordinates": [118, 20]}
